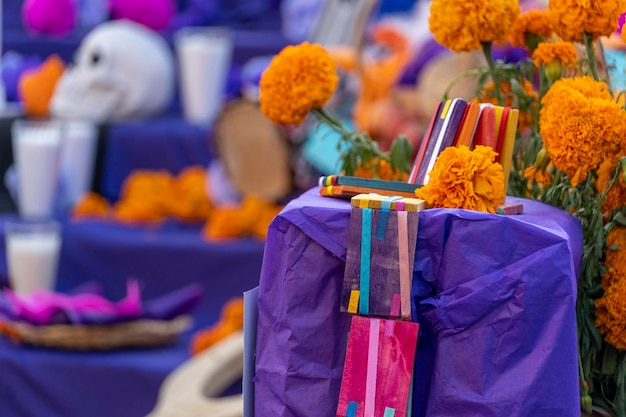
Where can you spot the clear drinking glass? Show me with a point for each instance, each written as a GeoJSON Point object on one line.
{"type": "Point", "coordinates": [37, 154]}
{"type": "Point", "coordinates": [32, 251]}
{"type": "Point", "coordinates": [204, 57]}
{"type": "Point", "coordinates": [78, 155]}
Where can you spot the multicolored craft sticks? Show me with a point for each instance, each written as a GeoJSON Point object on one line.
{"type": "Point", "coordinates": [380, 255]}
{"type": "Point", "coordinates": [378, 368]}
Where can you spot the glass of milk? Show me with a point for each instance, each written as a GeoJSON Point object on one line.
{"type": "Point", "coordinates": [78, 155]}
{"type": "Point", "coordinates": [33, 250]}
{"type": "Point", "coordinates": [204, 57]}
{"type": "Point", "coordinates": [37, 154]}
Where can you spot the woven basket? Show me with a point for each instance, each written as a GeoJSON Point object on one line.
{"type": "Point", "coordinates": [138, 333]}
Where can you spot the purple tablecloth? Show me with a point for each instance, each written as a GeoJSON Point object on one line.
{"type": "Point", "coordinates": [168, 143]}
{"type": "Point", "coordinates": [48, 383]}
{"type": "Point", "coordinates": [495, 296]}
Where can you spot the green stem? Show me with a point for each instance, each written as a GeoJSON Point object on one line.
{"type": "Point", "coordinates": [543, 81]}
{"type": "Point", "coordinates": [591, 55]}
{"type": "Point", "coordinates": [465, 74]}
{"type": "Point", "coordinates": [584, 394]}
{"type": "Point", "coordinates": [331, 120]}
{"type": "Point", "coordinates": [492, 70]}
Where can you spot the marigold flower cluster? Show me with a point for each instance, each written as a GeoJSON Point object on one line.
{"type": "Point", "coordinates": [91, 206]}
{"type": "Point", "coordinates": [540, 170]}
{"type": "Point", "coordinates": [462, 25]}
{"type": "Point", "coordinates": [596, 17]}
{"type": "Point", "coordinates": [548, 52]}
{"type": "Point", "coordinates": [488, 95]}
{"type": "Point", "coordinates": [616, 197]}
{"type": "Point", "coordinates": [250, 218]}
{"type": "Point", "coordinates": [611, 307]}
{"type": "Point", "coordinates": [151, 197]}
{"type": "Point", "coordinates": [580, 124]}
{"type": "Point", "coordinates": [380, 169]}
{"type": "Point", "coordinates": [533, 23]}
{"type": "Point", "coordinates": [466, 179]}
{"type": "Point", "coordinates": [231, 321]}
{"type": "Point", "coordinates": [300, 78]}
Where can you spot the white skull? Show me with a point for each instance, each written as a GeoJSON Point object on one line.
{"type": "Point", "coordinates": [122, 70]}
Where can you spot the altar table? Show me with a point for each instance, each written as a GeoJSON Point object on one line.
{"type": "Point", "coordinates": [495, 296]}
{"type": "Point", "coordinates": [49, 383]}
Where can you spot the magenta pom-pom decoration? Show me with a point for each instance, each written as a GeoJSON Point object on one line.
{"type": "Point", "coordinates": [155, 14]}
{"type": "Point", "coordinates": [49, 17]}
{"type": "Point", "coordinates": [620, 22]}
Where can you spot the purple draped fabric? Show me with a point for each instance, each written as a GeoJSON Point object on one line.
{"type": "Point", "coordinates": [168, 261]}
{"type": "Point", "coordinates": [495, 296]}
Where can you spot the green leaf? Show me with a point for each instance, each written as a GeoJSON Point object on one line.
{"type": "Point", "coordinates": [609, 360]}
{"type": "Point", "coordinates": [620, 219]}
{"type": "Point", "coordinates": [593, 331]}
{"type": "Point", "coordinates": [400, 154]}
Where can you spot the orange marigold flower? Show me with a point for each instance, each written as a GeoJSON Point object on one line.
{"type": "Point", "coordinates": [231, 321]}
{"type": "Point", "coordinates": [611, 307]}
{"type": "Point", "coordinates": [91, 205]}
{"type": "Point", "coordinates": [615, 256]}
{"type": "Point", "coordinates": [251, 218]}
{"type": "Point", "coordinates": [611, 315]}
{"type": "Point", "coordinates": [259, 215]}
{"type": "Point", "coordinates": [580, 124]}
{"type": "Point", "coordinates": [488, 95]}
{"type": "Point", "coordinates": [137, 211]}
{"type": "Point", "coordinates": [461, 25]}
{"type": "Point", "coordinates": [563, 52]}
{"type": "Point", "coordinates": [225, 224]}
{"type": "Point", "coordinates": [190, 196]}
{"type": "Point", "coordinates": [616, 196]}
{"type": "Point", "coordinates": [232, 312]}
{"type": "Point", "coordinates": [465, 179]}
{"type": "Point", "coordinates": [540, 170]}
{"type": "Point", "coordinates": [537, 23]}
{"type": "Point", "coordinates": [298, 79]}
{"type": "Point", "coordinates": [542, 176]}
{"type": "Point", "coordinates": [380, 169]}
{"type": "Point", "coordinates": [574, 17]}
{"type": "Point", "coordinates": [147, 196]}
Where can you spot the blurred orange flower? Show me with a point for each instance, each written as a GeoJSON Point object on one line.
{"type": "Point", "coordinates": [300, 78]}
{"type": "Point", "coordinates": [146, 196]}
{"type": "Point", "coordinates": [462, 25]}
{"type": "Point", "coordinates": [231, 321]}
{"type": "Point", "coordinates": [91, 205]}
{"type": "Point", "coordinates": [533, 23]}
{"type": "Point", "coordinates": [542, 176]}
{"type": "Point", "coordinates": [616, 196]}
{"type": "Point", "coordinates": [465, 179]}
{"type": "Point", "coordinates": [547, 52]}
{"type": "Point", "coordinates": [191, 200]}
{"type": "Point", "coordinates": [251, 218]}
{"type": "Point", "coordinates": [380, 169]}
{"type": "Point", "coordinates": [37, 86]}
{"type": "Point", "coordinates": [488, 95]}
{"type": "Point", "coordinates": [572, 18]}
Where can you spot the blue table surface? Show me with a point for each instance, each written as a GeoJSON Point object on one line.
{"type": "Point", "coordinates": [51, 383]}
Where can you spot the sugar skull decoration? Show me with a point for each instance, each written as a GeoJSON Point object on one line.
{"type": "Point", "coordinates": [122, 70]}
